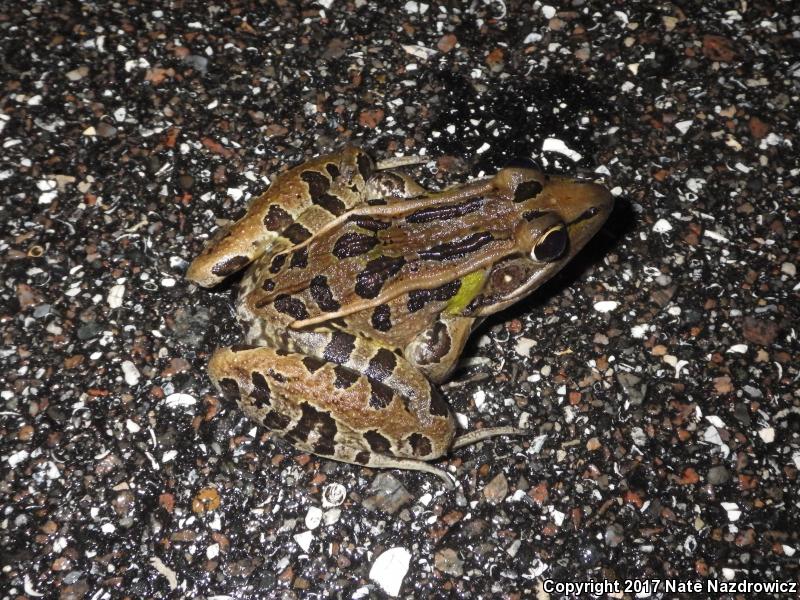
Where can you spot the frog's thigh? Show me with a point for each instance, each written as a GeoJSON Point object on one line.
{"type": "Point", "coordinates": [379, 363]}
{"type": "Point", "coordinates": [327, 409]}
{"type": "Point", "coordinates": [392, 184]}
{"type": "Point", "coordinates": [435, 351]}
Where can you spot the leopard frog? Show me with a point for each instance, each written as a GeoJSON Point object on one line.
{"type": "Point", "coordinates": [362, 290]}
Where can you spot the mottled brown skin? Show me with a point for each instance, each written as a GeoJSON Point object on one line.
{"type": "Point", "coordinates": [363, 289]}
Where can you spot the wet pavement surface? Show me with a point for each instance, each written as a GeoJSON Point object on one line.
{"type": "Point", "coordinates": [658, 373]}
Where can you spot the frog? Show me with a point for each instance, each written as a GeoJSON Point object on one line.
{"type": "Point", "coordinates": [362, 288]}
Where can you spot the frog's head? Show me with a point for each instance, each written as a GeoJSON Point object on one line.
{"type": "Point", "coordinates": [556, 217]}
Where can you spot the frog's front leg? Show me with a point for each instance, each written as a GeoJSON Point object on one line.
{"type": "Point", "coordinates": [435, 352]}
{"type": "Point", "coordinates": [297, 204]}
{"type": "Point", "coordinates": [355, 416]}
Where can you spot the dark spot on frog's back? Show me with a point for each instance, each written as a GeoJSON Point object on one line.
{"type": "Point", "coordinates": [420, 445]}
{"type": "Point", "coordinates": [382, 318]}
{"type": "Point", "coordinates": [230, 265]}
{"type": "Point", "coordinates": [370, 281]}
{"type": "Point", "coordinates": [380, 396]}
{"type": "Point", "coordinates": [299, 258]}
{"type": "Point", "coordinates": [318, 186]}
{"type": "Point", "coordinates": [339, 348]}
{"type": "Point", "coordinates": [276, 421]}
{"type": "Point", "coordinates": [417, 299]}
{"type": "Point", "coordinates": [381, 365]}
{"type": "Point", "coordinates": [362, 458]}
{"type": "Point", "coordinates": [276, 218]}
{"type": "Point", "coordinates": [368, 223]}
{"type": "Point", "coordinates": [322, 294]}
{"type": "Point", "coordinates": [296, 233]}
{"type": "Point", "coordinates": [313, 363]}
{"type": "Point", "coordinates": [313, 419]}
{"type": "Point", "coordinates": [353, 244]}
{"type": "Point", "coordinates": [445, 213]}
{"type": "Point", "coordinates": [260, 392]}
{"type": "Point", "coordinates": [291, 306]}
{"type": "Point", "coordinates": [457, 248]}
{"type": "Point", "coordinates": [377, 442]}
{"type": "Point", "coordinates": [317, 183]}
{"type": "Point", "coordinates": [526, 190]}
{"type": "Point", "coordinates": [332, 170]}
{"type": "Point", "coordinates": [439, 407]}
{"type": "Point", "coordinates": [229, 389]}
{"type": "Point", "coordinates": [344, 377]}
{"type": "Point", "coordinates": [276, 264]}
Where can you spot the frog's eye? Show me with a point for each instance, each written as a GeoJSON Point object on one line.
{"type": "Point", "coordinates": [551, 245]}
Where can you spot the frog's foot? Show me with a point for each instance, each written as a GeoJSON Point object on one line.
{"type": "Point", "coordinates": [382, 461]}
{"type": "Point", "coordinates": [473, 437]}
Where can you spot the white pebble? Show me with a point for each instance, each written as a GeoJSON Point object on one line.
{"type": "Point", "coordinates": [548, 11]}
{"type": "Point", "coordinates": [733, 510]}
{"type": "Point", "coordinates": [174, 400]}
{"type": "Point", "coordinates": [683, 126]}
{"type": "Point", "coordinates": [662, 226]}
{"type": "Point", "coordinates": [524, 345]}
{"type": "Point", "coordinates": [767, 435]}
{"type": "Point", "coordinates": [605, 306]}
{"type": "Point", "coordinates": [17, 458]}
{"type": "Point", "coordinates": [421, 52]}
{"type": "Point", "coordinates": [304, 540]}
{"type": "Point", "coordinates": [416, 7]}
{"type": "Point", "coordinates": [130, 372]}
{"type": "Point", "coordinates": [313, 517]}
{"type": "Point", "coordinates": [115, 295]}
{"type": "Point", "coordinates": [737, 349]}
{"type": "Point", "coordinates": [331, 516]}
{"type": "Point", "coordinates": [789, 269]}
{"type": "Point", "coordinates": [235, 193]}
{"type": "Point", "coordinates": [558, 146]}
{"type": "Point", "coordinates": [389, 569]}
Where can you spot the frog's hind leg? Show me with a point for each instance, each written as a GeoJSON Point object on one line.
{"type": "Point", "coordinates": [473, 437]}
{"type": "Point", "coordinates": [342, 412]}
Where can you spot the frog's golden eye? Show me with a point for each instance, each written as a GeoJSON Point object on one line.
{"type": "Point", "coordinates": [551, 245]}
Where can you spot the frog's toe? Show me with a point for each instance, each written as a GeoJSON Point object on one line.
{"type": "Point", "coordinates": [472, 437]}
{"type": "Point", "coordinates": [381, 461]}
